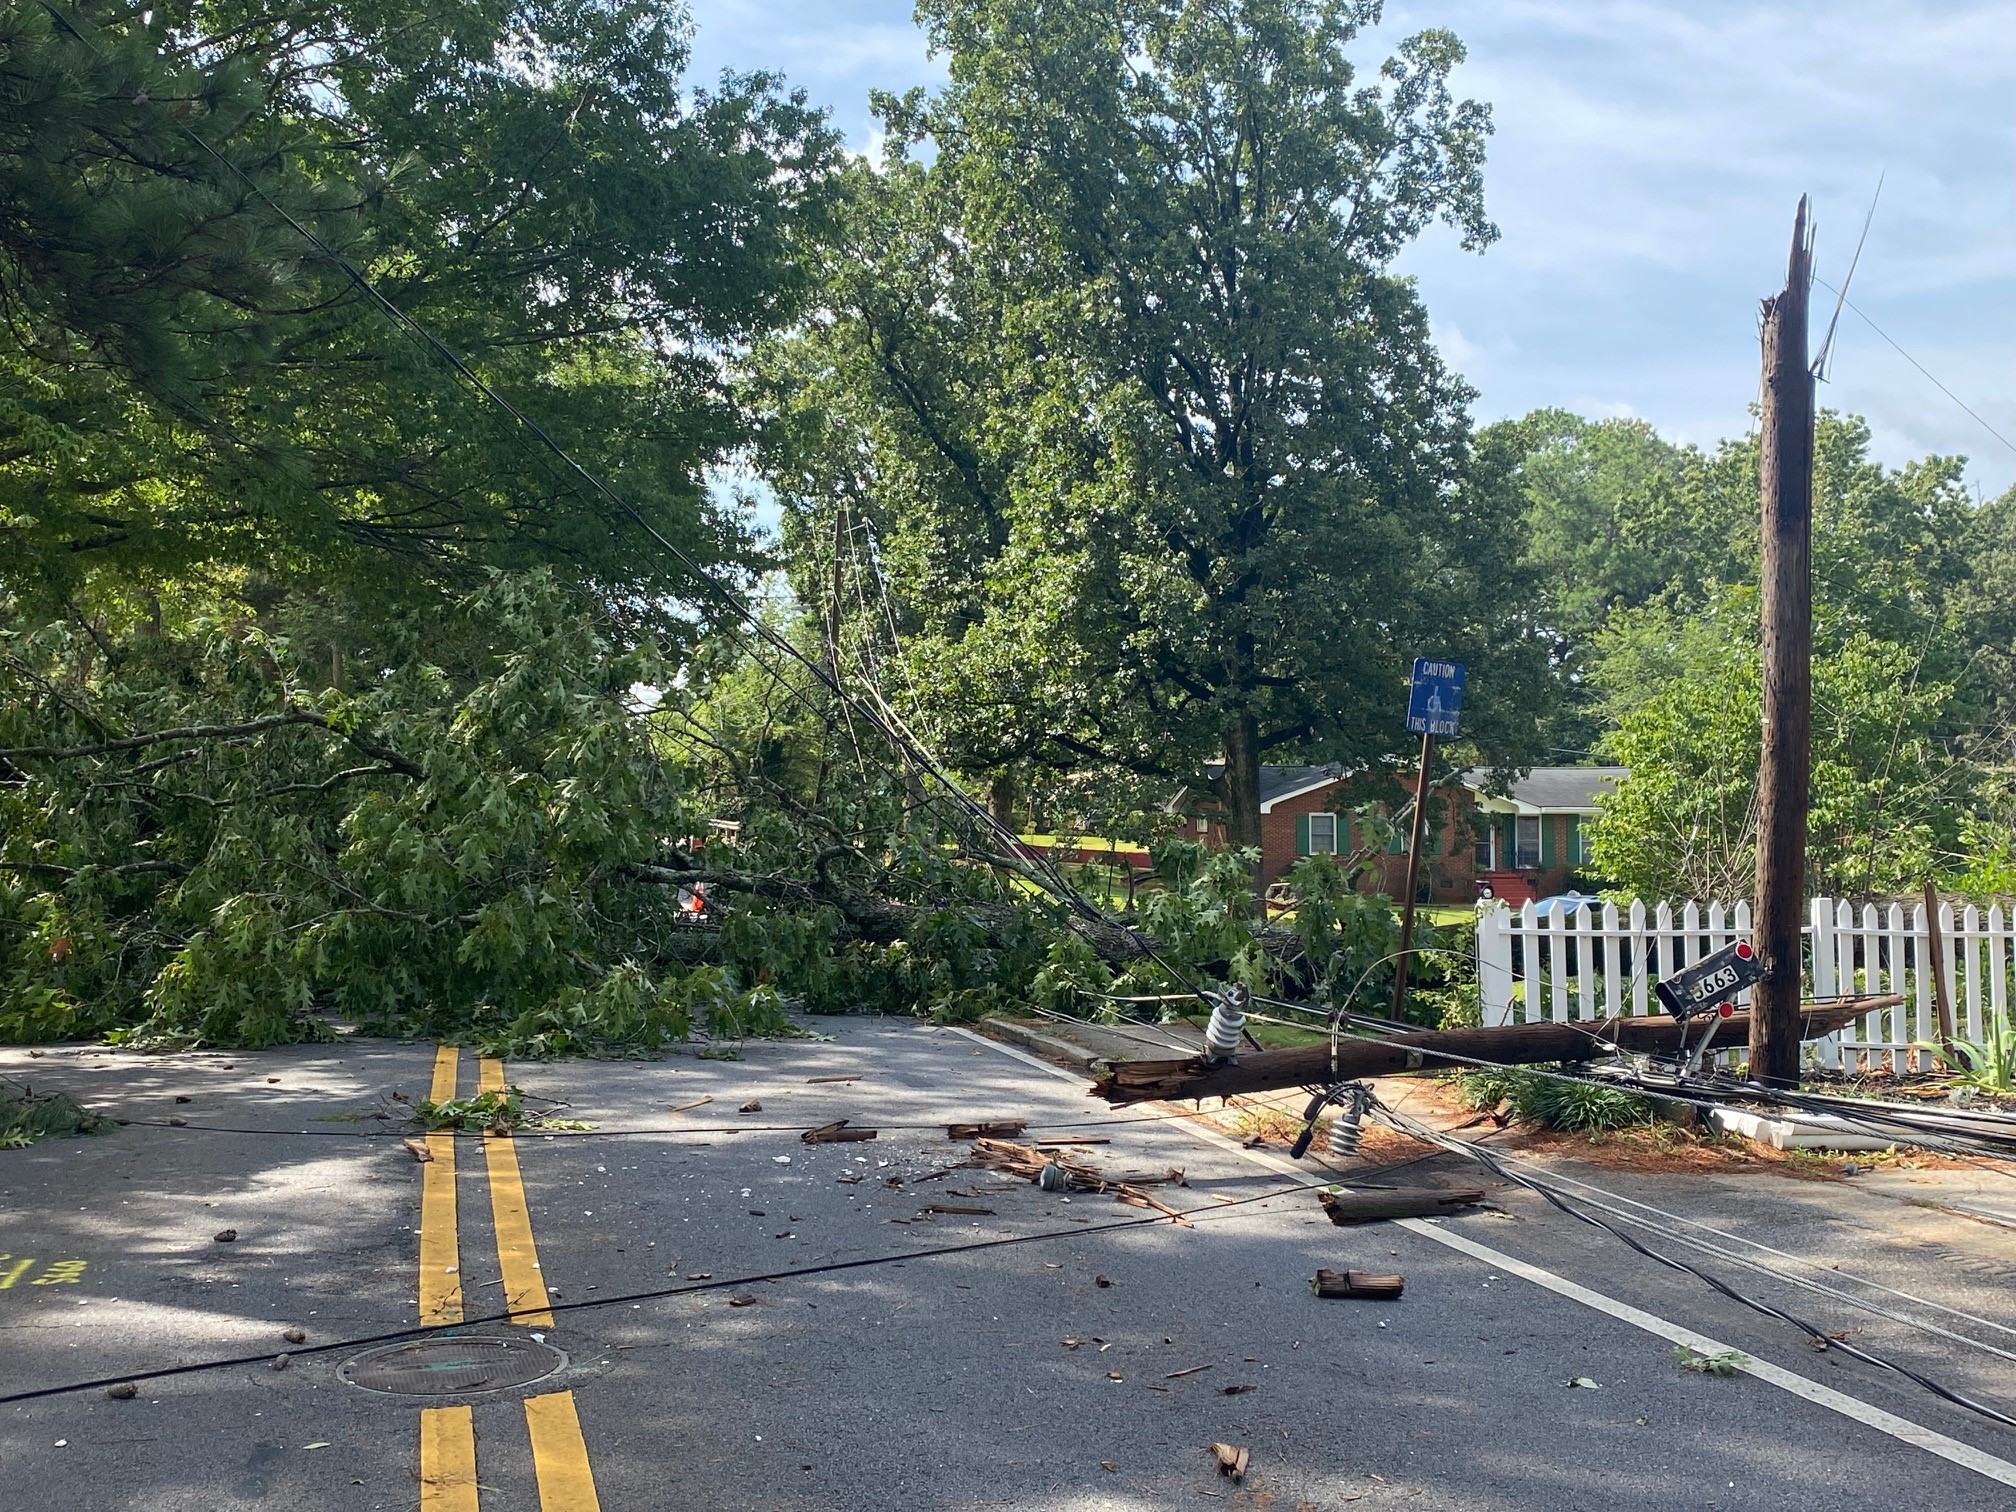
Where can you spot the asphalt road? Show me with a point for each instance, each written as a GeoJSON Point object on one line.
{"type": "Point", "coordinates": [927, 1379]}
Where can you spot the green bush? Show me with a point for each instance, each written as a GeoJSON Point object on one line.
{"type": "Point", "coordinates": [1552, 1101]}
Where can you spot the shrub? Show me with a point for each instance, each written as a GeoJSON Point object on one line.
{"type": "Point", "coordinates": [1554, 1101]}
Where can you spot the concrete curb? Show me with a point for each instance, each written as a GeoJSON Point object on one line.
{"type": "Point", "coordinates": [1043, 1044]}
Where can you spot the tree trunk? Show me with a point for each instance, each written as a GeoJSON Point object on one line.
{"type": "Point", "coordinates": [1239, 788]}
{"type": "Point", "coordinates": [1001, 798]}
{"type": "Point", "coordinates": [1239, 791]}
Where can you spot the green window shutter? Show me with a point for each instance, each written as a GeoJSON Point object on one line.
{"type": "Point", "coordinates": [1508, 841]}
{"type": "Point", "coordinates": [1396, 843]}
{"type": "Point", "coordinates": [1301, 834]}
{"type": "Point", "coordinates": [1574, 840]}
{"type": "Point", "coordinates": [1546, 840]}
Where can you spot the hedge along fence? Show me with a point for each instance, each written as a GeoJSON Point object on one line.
{"type": "Point", "coordinates": [1596, 960]}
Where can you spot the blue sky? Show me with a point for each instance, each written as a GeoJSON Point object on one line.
{"type": "Point", "coordinates": [1647, 160]}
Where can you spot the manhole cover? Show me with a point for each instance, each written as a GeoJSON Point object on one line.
{"type": "Point", "coordinates": [452, 1366]}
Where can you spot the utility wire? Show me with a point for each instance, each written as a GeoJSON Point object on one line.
{"type": "Point", "coordinates": [658, 1294]}
{"type": "Point", "coordinates": [1971, 411]}
{"type": "Point", "coordinates": [1561, 1177]}
{"type": "Point", "coordinates": [1490, 1160]}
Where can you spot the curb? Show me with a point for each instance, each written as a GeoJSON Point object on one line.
{"type": "Point", "coordinates": [1043, 1044]}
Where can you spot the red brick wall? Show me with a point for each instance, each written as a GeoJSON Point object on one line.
{"type": "Point", "coordinates": [1449, 868]}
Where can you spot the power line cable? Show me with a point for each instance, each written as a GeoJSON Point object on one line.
{"type": "Point", "coordinates": [1971, 411]}
{"type": "Point", "coordinates": [1820, 365]}
{"type": "Point", "coordinates": [657, 1294]}
{"type": "Point", "coordinates": [1490, 1160]}
{"type": "Point", "coordinates": [1561, 1177]}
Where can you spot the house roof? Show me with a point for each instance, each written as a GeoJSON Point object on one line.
{"type": "Point", "coordinates": [1553, 790]}
{"type": "Point", "coordinates": [1544, 790]}
{"type": "Point", "coordinates": [1279, 782]}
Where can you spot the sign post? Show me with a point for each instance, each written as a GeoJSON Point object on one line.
{"type": "Point", "coordinates": [1433, 708]}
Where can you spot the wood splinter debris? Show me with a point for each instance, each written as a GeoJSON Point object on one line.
{"type": "Point", "coordinates": [836, 1132]}
{"type": "Point", "coordinates": [814, 1080]}
{"type": "Point", "coordinates": [1232, 1459]}
{"type": "Point", "coordinates": [1330, 1284]}
{"type": "Point", "coordinates": [698, 1102]}
{"type": "Point", "coordinates": [955, 1210]}
{"type": "Point", "coordinates": [1031, 1164]}
{"type": "Point", "coordinates": [1000, 1128]}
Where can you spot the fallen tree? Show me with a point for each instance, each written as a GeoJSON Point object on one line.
{"type": "Point", "coordinates": [483, 833]}
{"type": "Point", "coordinates": [216, 844]}
{"type": "Point", "coordinates": [1439, 1050]}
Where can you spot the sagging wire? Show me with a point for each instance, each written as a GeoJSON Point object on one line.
{"type": "Point", "coordinates": [1414, 1129]}
{"type": "Point", "coordinates": [660, 1293]}
{"type": "Point", "coordinates": [1177, 1115]}
{"type": "Point", "coordinates": [1761, 1268]}
{"type": "Point", "coordinates": [1984, 1158]}
{"type": "Point", "coordinates": [1945, 1143]}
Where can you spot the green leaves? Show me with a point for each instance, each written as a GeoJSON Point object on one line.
{"type": "Point", "coordinates": [1157, 449]}
{"type": "Point", "coordinates": [193, 388]}
{"type": "Point", "coordinates": [1675, 666]}
{"type": "Point", "coordinates": [234, 889]}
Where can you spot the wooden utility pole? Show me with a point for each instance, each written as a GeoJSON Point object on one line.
{"type": "Point", "coordinates": [1935, 952]}
{"type": "Point", "coordinates": [1784, 773]}
{"type": "Point", "coordinates": [1420, 825]}
{"type": "Point", "coordinates": [1195, 1076]}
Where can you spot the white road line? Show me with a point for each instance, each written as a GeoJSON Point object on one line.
{"type": "Point", "coordinates": [1902, 1429]}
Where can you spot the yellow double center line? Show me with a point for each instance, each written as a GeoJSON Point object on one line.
{"type": "Point", "coordinates": [448, 1434]}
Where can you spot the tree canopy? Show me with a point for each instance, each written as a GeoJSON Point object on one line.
{"type": "Point", "coordinates": [194, 389]}
{"type": "Point", "coordinates": [1648, 557]}
{"type": "Point", "coordinates": [1162, 462]}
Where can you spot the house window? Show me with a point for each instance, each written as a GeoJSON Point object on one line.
{"type": "Point", "coordinates": [1322, 834]}
{"type": "Point", "coordinates": [1526, 842]}
{"type": "Point", "coordinates": [1483, 852]}
{"type": "Point", "coordinates": [1203, 825]}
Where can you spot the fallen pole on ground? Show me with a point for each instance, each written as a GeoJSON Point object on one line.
{"type": "Point", "coordinates": [1438, 1050]}
{"type": "Point", "coordinates": [1374, 1204]}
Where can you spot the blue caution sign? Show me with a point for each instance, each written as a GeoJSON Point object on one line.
{"type": "Point", "coordinates": [1437, 698]}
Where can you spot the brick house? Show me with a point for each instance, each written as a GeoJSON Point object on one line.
{"type": "Point", "coordinates": [1523, 843]}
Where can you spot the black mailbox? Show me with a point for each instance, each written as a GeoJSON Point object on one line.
{"type": "Point", "coordinates": [1711, 983]}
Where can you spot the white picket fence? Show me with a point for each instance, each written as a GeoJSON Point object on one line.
{"type": "Point", "coordinates": [1599, 960]}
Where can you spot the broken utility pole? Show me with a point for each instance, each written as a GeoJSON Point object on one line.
{"type": "Point", "coordinates": [1353, 1057]}
{"type": "Point", "coordinates": [1783, 773]}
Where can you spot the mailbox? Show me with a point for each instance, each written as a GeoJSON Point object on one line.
{"type": "Point", "coordinates": [1710, 985]}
